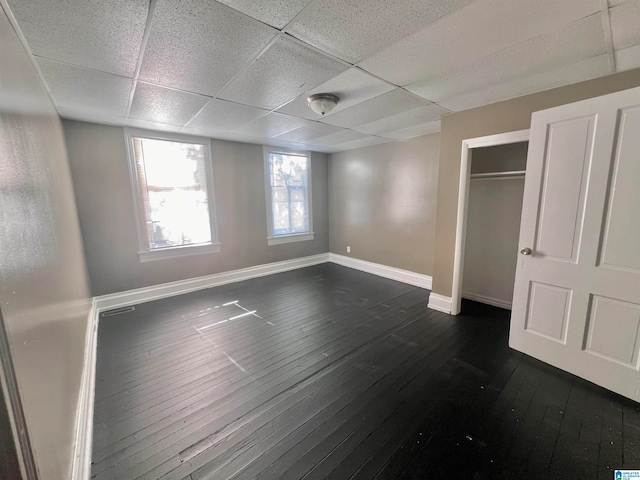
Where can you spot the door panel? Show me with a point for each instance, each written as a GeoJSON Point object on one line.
{"type": "Point", "coordinates": [548, 310]}
{"type": "Point", "coordinates": [622, 228]}
{"type": "Point", "coordinates": [576, 298]}
{"type": "Point", "coordinates": [614, 330]}
{"type": "Point", "coordinates": [568, 155]}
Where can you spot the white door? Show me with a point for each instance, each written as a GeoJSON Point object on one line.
{"type": "Point", "coordinates": [576, 302]}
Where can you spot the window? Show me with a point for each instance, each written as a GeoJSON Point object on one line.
{"type": "Point", "coordinates": [172, 184]}
{"type": "Point", "coordinates": [288, 190]}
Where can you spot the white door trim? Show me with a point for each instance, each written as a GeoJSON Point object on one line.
{"type": "Point", "coordinates": [463, 196]}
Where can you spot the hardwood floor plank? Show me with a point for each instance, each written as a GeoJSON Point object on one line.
{"type": "Point", "coordinates": [396, 450]}
{"type": "Point", "coordinates": [631, 435]}
{"type": "Point", "coordinates": [311, 434]}
{"type": "Point", "coordinates": [153, 446]}
{"type": "Point", "coordinates": [546, 436]}
{"type": "Point", "coordinates": [339, 384]}
{"type": "Point", "coordinates": [611, 440]}
{"type": "Point", "coordinates": [341, 375]}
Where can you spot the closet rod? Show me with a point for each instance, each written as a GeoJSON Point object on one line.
{"type": "Point", "coordinates": [516, 173]}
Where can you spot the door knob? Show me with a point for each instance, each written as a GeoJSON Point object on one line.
{"type": "Point", "coordinates": [525, 251]}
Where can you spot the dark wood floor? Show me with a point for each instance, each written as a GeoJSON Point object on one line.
{"type": "Point", "coordinates": [340, 374]}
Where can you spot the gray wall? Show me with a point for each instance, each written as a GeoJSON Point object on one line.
{"type": "Point", "coordinates": [44, 291]}
{"type": "Point", "coordinates": [383, 203]}
{"type": "Point", "coordinates": [507, 116]}
{"type": "Point", "coordinates": [493, 229]}
{"type": "Point", "coordinates": [101, 178]}
{"type": "Point", "coordinates": [500, 158]}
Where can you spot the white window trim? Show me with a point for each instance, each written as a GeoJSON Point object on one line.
{"type": "Point", "coordinates": [295, 237]}
{"type": "Point", "coordinates": [144, 252]}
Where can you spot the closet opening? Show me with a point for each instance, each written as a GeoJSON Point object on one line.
{"type": "Point", "coordinates": [496, 188]}
{"type": "Point", "coordinates": [490, 204]}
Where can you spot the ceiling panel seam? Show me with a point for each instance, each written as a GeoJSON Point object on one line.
{"type": "Point", "coordinates": [143, 47]}
{"type": "Point", "coordinates": [262, 52]}
{"type": "Point", "coordinates": [247, 17]}
{"type": "Point", "coordinates": [608, 35]}
{"type": "Point", "coordinates": [243, 69]}
{"type": "Point", "coordinates": [299, 14]}
{"type": "Point", "coordinates": [75, 65]}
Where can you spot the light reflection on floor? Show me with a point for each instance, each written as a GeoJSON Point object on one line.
{"type": "Point", "coordinates": [210, 311]}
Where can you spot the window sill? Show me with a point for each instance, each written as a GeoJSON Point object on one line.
{"type": "Point", "coordinates": [176, 252]}
{"type": "Point", "coordinates": [297, 237]}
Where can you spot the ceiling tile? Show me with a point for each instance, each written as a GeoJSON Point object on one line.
{"type": "Point", "coordinates": [163, 105]}
{"type": "Point", "coordinates": [392, 103]}
{"type": "Point", "coordinates": [403, 120]}
{"type": "Point", "coordinates": [628, 58]}
{"type": "Point", "coordinates": [225, 116]}
{"type": "Point", "coordinates": [365, 142]}
{"type": "Point", "coordinates": [92, 117]}
{"type": "Point", "coordinates": [276, 13]}
{"type": "Point", "coordinates": [566, 75]}
{"type": "Point", "coordinates": [237, 137]}
{"type": "Point", "coordinates": [578, 41]}
{"type": "Point", "coordinates": [229, 136]}
{"type": "Point", "coordinates": [309, 132]}
{"type": "Point", "coordinates": [488, 26]}
{"type": "Point", "coordinates": [272, 125]}
{"type": "Point", "coordinates": [147, 125]}
{"type": "Point", "coordinates": [200, 45]}
{"type": "Point", "coordinates": [292, 145]}
{"type": "Point", "coordinates": [353, 29]}
{"type": "Point", "coordinates": [84, 89]}
{"type": "Point", "coordinates": [104, 35]}
{"type": "Point", "coordinates": [338, 137]}
{"type": "Point", "coordinates": [352, 86]}
{"type": "Point", "coordinates": [286, 70]}
{"type": "Point", "coordinates": [625, 21]}
{"type": "Point", "coordinates": [201, 132]}
{"type": "Point", "coordinates": [423, 129]}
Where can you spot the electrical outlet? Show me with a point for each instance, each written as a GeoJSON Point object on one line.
{"type": "Point", "coordinates": [348, 249]}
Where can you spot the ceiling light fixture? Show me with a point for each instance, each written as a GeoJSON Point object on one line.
{"type": "Point", "coordinates": [322, 103]}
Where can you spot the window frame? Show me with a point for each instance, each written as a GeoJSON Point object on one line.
{"type": "Point", "coordinates": [145, 253]}
{"type": "Point", "coordinates": [273, 239]}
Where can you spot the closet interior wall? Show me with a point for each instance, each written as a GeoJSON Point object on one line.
{"type": "Point", "coordinates": [493, 223]}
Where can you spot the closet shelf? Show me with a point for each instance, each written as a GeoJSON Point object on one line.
{"type": "Point", "coordinates": [512, 174]}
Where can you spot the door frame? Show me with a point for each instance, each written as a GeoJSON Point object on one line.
{"type": "Point", "coordinates": [10, 390]}
{"type": "Point", "coordinates": [463, 200]}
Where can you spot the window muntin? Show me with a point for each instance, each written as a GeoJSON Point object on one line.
{"type": "Point", "coordinates": [172, 184]}
{"type": "Point", "coordinates": [288, 194]}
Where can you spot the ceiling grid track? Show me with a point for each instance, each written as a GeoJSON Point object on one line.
{"type": "Point", "coordinates": [608, 35]}
{"type": "Point", "coordinates": [143, 47]}
{"type": "Point", "coordinates": [242, 71]}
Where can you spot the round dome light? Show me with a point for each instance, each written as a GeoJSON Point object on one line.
{"type": "Point", "coordinates": [322, 103]}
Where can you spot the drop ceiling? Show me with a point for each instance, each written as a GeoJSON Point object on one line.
{"type": "Point", "coordinates": [242, 69]}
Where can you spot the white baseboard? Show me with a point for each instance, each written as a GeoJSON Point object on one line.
{"type": "Point", "coordinates": [440, 303]}
{"type": "Point", "coordinates": [404, 276]}
{"type": "Point", "coordinates": [155, 292]}
{"type": "Point", "coordinates": [488, 300]}
{"type": "Point", "coordinates": [81, 468]}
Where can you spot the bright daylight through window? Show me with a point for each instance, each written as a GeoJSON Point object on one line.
{"type": "Point", "coordinates": [288, 187]}
{"type": "Point", "coordinates": [172, 183]}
